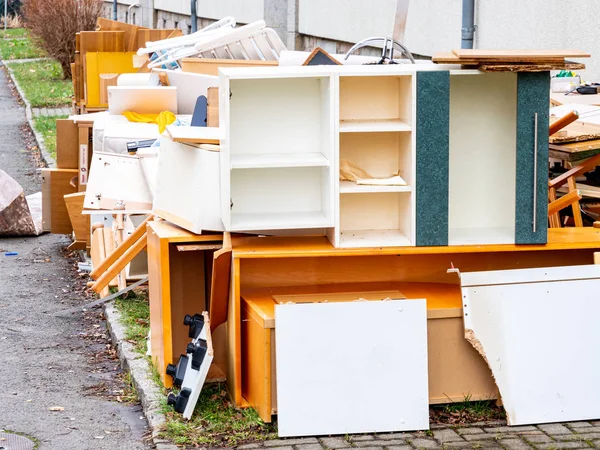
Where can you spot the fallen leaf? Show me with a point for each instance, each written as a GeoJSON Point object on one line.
{"type": "Point", "coordinates": [56, 408]}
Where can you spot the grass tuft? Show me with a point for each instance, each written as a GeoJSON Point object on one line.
{"type": "Point", "coordinates": [16, 44]}
{"type": "Point", "coordinates": [46, 126]}
{"type": "Point", "coordinates": [216, 422]}
{"type": "Point", "coordinates": [466, 411]}
{"type": "Point", "coordinates": [135, 317]}
{"type": "Point", "coordinates": [42, 83]}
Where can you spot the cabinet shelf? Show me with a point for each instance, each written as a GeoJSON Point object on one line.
{"type": "Point", "coordinates": [349, 187]}
{"type": "Point", "coordinates": [373, 238]}
{"type": "Point", "coordinates": [275, 160]}
{"type": "Point", "coordinates": [373, 126]}
{"type": "Point", "coordinates": [278, 220]}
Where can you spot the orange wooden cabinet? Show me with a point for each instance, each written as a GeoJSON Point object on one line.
{"type": "Point", "coordinates": [179, 271]}
{"type": "Point", "coordinates": [456, 370]}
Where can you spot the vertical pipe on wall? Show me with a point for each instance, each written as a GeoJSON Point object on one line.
{"type": "Point", "coordinates": [468, 23]}
{"type": "Point", "coordinates": [114, 11]}
{"type": "Point", "coordinates": [194, 17]}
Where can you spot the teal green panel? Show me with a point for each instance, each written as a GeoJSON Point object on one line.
{"type": "Point", "coordinates": [432, 141]}
{"type": "Point", "coordinates": [533, 97]}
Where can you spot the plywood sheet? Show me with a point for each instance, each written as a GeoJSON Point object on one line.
{"type": "Point", "coordinates": [67, 140]}
{"type": "Point", "coordinates": [515, 55]}
{"type": "Point", "coordinates": [576, 132]}
{"type": "Point", "coordinates": [526, 324]}
{"type": "Point", "coordinates": [328, 353]}
{"type": "Point", "coordinates": [130, 37]}
{"type": "Point", "coordinates": [101, 41]}
{"type": "Point", "coordinates": [80, 222]}
{"type": "Point", "coordinates": [211, 66]}
{"type": "Point", "coordinates": [56, 183]}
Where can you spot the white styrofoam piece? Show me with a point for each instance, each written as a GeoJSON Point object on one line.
{"type": "Point", "coordinates": [115, 178]}
{"type": "Point", "coordinates": [187, 186]}
{"type": "Point", "coordinates": [344, 367]}
{"type": "Point", "coordinates": [142, 99]}
{"type": "Point", "coordinates": [189, 86]}
{"type": "Point", "coordinates": [533, 326]}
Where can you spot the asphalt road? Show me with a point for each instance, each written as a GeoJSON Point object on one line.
{"type": "Point", "coordinates": [49, 361]}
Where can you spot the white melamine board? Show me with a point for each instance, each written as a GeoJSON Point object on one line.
{"type": "Point", "coordinates": [380, 154]}
{"type": "Point", "coordinates": [280, 115]}
{"type": "Point", "coordinates": [291, 192]}
{"type": "Point", "coordinates": [187, 187]}
{"type": "Point", "coordinates": [483, 124]}
{"type": "Point", "coordinates": [116, 178]}
{"type": "Point", "coordinates": [533, 326]}
{"type": "Point", "coordinates": [142, 99]}
{"type": "Point", "coordinates": [189, 86]}
{"type": "Point", "coordinates": [373, 239]}
{"type": "Point", "coordinates": [362, 215]}
{"type": "Point", "coordinates": [273, 160]}
{"type": "Point", "coordinates": [149, 162]}
{"type": "Point", "coordinates": [279, 221]}
{"type": "Point", "coordinates": [376, 97]}
{"type": "Point", "coordinates": [373, 126]}
{"type": "Point", "coordinates": [482, 235]}
{"type": "Point", "coordinates": [329, 353]}
{"type": "Point", "coordinates": [350, 187]}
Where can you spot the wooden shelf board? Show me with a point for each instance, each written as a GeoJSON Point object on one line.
{"type": "Point", "coordinates": [349, 187]}
{"type": "Point", "coordinates": [373, 126]}
{"type": "Point", "coordinates": [278, 221]}
{"type": "Point", "coordinates": [373, 238]}
{"type": "Point", "coordinates": [274, 160]}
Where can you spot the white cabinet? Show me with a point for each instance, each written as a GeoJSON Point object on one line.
{"type": "Point", "coordinates": [278, 156]}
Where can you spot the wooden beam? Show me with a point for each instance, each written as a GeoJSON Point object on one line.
{"type": "Point", "coordinates": [564, 201]}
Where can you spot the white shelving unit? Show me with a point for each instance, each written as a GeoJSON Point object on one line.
{"type": "Point", "coordinates": [376, 119]}
{"type": "Point", "coordinates": [277, 158]}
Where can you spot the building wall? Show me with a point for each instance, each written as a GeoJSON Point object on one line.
{"type": "Point", "coordinates": [432, 25]}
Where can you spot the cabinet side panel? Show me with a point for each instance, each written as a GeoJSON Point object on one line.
{"type": "Point", "coordinates": [533, 91]}
{"type": "Point", "coordinates": [432, 146]}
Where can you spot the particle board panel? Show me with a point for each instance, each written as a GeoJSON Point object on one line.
{"type": "Point", "coordinates": [576, 132]}
{"type": "Point", "coordinates": [56, 183]}
{"type": "Point", "coordinates": [514, 55]}
{"type": "Point", "coordinates": [130, 32]}
{"type": "Point", "coordinates": [211, 66]}
{"type": "Point", "coordinates": [80, 222]}
{"type": "Point", "coordinates": [67, 148]}
{"type": "Point", "coordinates": [348, 344]}
{"type": "Point", "coordinates": [103, 62]}
{"type": "Point", "coordinates": [151, 35]}
{"type": "Point", "coordinates": [101, 41]}
{"type": "Point", "coordinates": [553, 311]}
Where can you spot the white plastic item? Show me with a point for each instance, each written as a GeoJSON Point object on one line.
{"type": "Point", "coordinates": [342, 367]}
{"type": "Point", "coordinates": [189, 86]}
{"type": "Point", "coordinates": [135, 79]}
{"type": "Point", "coordinates": [187, 187]}
{"type": "Point", "coordinates": [149, 162]}
{"type": "Point", "coordinates": [142, 99]}
{"type": "Point", "coordinates": [116, 135]}
{"type": "Point", "coordinates": [532, 326]}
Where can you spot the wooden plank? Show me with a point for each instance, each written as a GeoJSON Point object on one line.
{"type": "Point", "coordinates": [56, 183]}
{"type": "Point", "coordinates": [515, 55]}
{"type": "Point", "coordinates": [149, 35]}
{"type": "Point", "coordinates": [212, 110]}
{"type": "Point", "coordinates": [130, 32]}
{"type": "Point", "coordinates": [67, 150]}
{"type": "Point", "coordinates": [576, 132]}
{"type": "Point", "coordinates": [211, 66]}
{"type": "Point", "coordinates": [120, 250]}
{"type": "Point", "coordinates": [195, 135]}
{"type": "Point", "coordinates": [530, 67]}
{"type": "Point", "coordinates": [220, 283]}
{"type": "Point", "coordinates": [101, 41]}
{"type": "Point", "coordinates": [106, 80]}
{"type": "Point", "coordinates": [120, 264]}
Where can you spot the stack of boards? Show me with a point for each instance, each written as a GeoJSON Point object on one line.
{"type": "Point", "coordinates": [513, 60]}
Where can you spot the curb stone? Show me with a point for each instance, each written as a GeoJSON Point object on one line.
{"type": "Point", "coordinates": [46, 156]}
{"type": "Point", "coordinates": [139, 369]}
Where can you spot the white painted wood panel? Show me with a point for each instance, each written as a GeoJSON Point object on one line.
{"type": "Point", "coordinates": [189, 87]}
{"type": "Point", "coordinates": [142, 99]}
{"type": "Point", "coordinates": [538, 330]}
{"type": "Point", "coordinates": [342, 367]}
{"type": "Point", "coordinates": [483, 124]}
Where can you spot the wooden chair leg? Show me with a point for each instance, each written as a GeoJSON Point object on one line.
{"type": "Point", "coordinates": [575, 205]}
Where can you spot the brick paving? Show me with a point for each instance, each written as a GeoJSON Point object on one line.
{"type": "Point", "coordinates": [574, 435]}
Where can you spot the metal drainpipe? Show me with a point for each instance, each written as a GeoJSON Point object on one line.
{"type": "Point", "coordinates": [114, 10]}
{"type": "Point", "coordinates": [468, 23]}
{"type": "Point", "coordinates": [194, 17]}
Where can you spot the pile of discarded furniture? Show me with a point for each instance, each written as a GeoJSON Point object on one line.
{"type": "Point", "coordinates": [327, 229]}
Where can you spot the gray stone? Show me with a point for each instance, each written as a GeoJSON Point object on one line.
{"type": "Point", "coordinates": [362, 437]}
{"type": "Point", "coordinates": [372, 448]}
{"type": "Point", "coordinates": [578, 424]}
{"type": "Point", "coordinates": [596, 444]}
{"type": "Point", "coordinates": [569, 437]}
{"type": "Point", "coordinates": [479, 437]}
{"type": "Point", "coordinates": [446, 435]}
{"type": "Point", "coordinates": [288, 442]}
{"type": "Point", "coordinates": [588, 435]}
{"type": "Point", "coordinates": [510, 429]}
{"type": "Point", "coordinates": [389, 436]}
{"type": "Point", "coordinates": [284, 447]}
{"type": "Point", "coordinates": [309, 447]}
{"type": "Point", "coordinates": [595, 423]}
{"type": "Point", "coordinates": [373, 443]}
{"type": "Point", "coordinates": [425, 443]}
{"type": "Point", "coordinates": [335, 442]}
{"type": "Point", "coordinates": [554, 428]}
{"type": "Point", "coordinates": [486, 445]}
{"type": "Point", "coordinates": [514, 444]}
{"type": "Point", "coordinates": [537, 439]}
{"type": "Point", "coordinates": [247, 446]}
{"type": "Point", "coordinates": [399, 447]}
{"type": "Point", "coordinates": [166, 447]}
{"type": "Point", "coordinates": [559, 445]}
{"type": "Point", "coordinates": [470, 430]}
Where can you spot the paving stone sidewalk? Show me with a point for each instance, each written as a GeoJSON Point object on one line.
{"type": "Point", "coordinates": [574, 435]}
{"type": "Point", "coordinates": [51, 112]}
